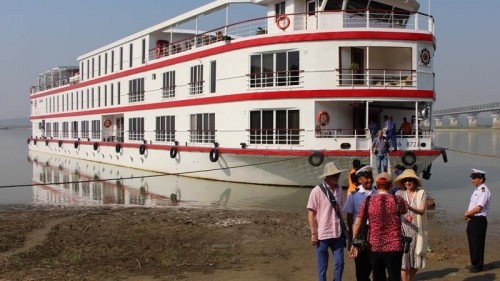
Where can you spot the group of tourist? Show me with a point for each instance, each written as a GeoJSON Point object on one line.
{"type": "Point", "coordinates": [386, 230]}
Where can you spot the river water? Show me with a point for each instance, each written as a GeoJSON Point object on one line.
{"type": "Point", "coordinates": [449, 185]}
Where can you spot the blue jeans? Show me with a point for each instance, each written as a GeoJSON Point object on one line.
{"type": "Point", "coordinates": [382, 162]}
{"type": "Point", "coordinates": [337, 245]}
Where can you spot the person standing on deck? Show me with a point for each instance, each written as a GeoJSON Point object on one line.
{"type": "Point", "coordinates": [477, 223]}
{"type": "Point", "coordinates": [391, 133]}
{"type": "Point", "coordinates": [379, 148]}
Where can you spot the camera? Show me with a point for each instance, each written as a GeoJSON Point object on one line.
{"type": "Point", "coordinates": [406, 244]}
{"type": "Point", "coordinates": [360, 242]}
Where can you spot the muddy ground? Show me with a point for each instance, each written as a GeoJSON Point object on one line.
{"type": "Point", "coordinates": [108, 243]}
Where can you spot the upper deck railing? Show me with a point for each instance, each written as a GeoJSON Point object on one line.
{"type": "Point", "coordinates": [268, 26]}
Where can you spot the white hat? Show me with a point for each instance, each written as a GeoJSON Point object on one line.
{"type": "Point", "coordinates": [330, 169]}
{"type": "Point", "coordinates": [365, 169]}
{"type": "Point", "coordinates": [476, 171]}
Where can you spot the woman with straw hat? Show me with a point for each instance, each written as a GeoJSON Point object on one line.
{"type": "Point", "coordinates": [414, 222]}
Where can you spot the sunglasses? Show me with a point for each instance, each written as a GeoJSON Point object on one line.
{"type": "Point", "coordinates": [408, 180]}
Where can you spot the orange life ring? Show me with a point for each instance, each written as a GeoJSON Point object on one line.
{"type": "Point", "coordinates": [323, 118]}
{"type": "Point", "coordinates": [107, 123]}
{"type": "Point", "coordinates": [283, 22]}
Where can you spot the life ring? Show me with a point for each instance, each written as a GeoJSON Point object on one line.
{"type": "Point", "coordinates": [214, 155]}
{"type": "Point", "coordinates": [107, 123]}
{"type": "Point", "coordinates": [76, 144]}
{"type": "Point", "coordinates": [316, 158]}
{"type": "Point", "coordinates": [60, 143]}
{"type": "Point", "coordinates": [173, 152]}
{"type": "Point", "coordinates": [283, 22]}
{"type": "Point", "coordinates": [118, 148]}
{"type": "Point", "coordinates": [96, 145]}
{"type": "Point", "coordinates": [323, 118]}
{"type": "Point", "coordinates": [142, 149]}
{"type": "Point", "coordinates": [409, 158]}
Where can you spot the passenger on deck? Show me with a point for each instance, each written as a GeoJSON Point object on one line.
{"type": "Point", "coordinates": [405, 127]}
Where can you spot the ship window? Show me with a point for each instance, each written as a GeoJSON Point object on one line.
{"type": "Point", "coordinates": [136, 128]}
{"type": "Point", "coordinates": [99, 96]}
{"type": "Point", "coordinates": [85, 129]}
{"type": "Point", "coordinates": [55, 129]}
{"type": "Point", "coordinates": [333, 5]}
{"type": "Point", "coordinates": [96, 129]}
{"type": "Point", "coordinates": [136, 90]}
{"type": "Point", "coordinates": [65, 130]}
{"type": "Point", "coordinates": [202, 128]}
{"type": "Point", "coordinates": [106, 63]}
{"type": "Point", "coordinates": [112, 61]}
{"type": "Point", "coordinates": [213, 76]}
{"type": "Point", "coordinates": [280, 8]}
{"type": "Point", "coordinates": [274, 126]}
{"type": "Point", "coordinates": [118, 94]}
{"type": "Point", "coordinates": [274, 69]}
{"type": "Point", "coordinates": [92, 96]}
{"type": "Point", "coordinates": [99, 66]}
{"type": "Point", "coordinates": [105, 95]}
{"type": "Point", "coordinates": [111, 94]}
{"type": "Point", "coordinates": [311, 8]}
{"type": "Point", "coordinates": [357, 5]}
{"type": "Point", "coordinates": [196, 82]}
{"type": "Point", "coordinates": [121, 58]}
{"type": "Point", "coordinates": [74, 129]}
{"type": "Point", "coordinates": [131, 56]}
{"type": "Point", "coordinates": [48, 129]}
{"type": "Point", "coordinates": [168, 90]}
{"type": "Point", "coordinates": [165, 128]}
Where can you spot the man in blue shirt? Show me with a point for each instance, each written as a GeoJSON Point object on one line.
{"type": "Point", "coordinates": [351, 208]}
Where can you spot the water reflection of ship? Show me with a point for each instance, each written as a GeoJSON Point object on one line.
{"type": "Point", "coordinates": [69, 181]}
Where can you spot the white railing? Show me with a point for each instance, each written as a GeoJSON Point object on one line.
{"type": "Point", "coordinates": [329, 20]}
{"type": "Point", "coordinates": [376, 77]}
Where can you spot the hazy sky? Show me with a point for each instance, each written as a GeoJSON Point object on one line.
{"type": "Point", "coordinates": [38, 35]}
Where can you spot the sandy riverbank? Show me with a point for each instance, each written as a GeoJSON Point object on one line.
{"type": "Point", "coordinates": [56, 243]}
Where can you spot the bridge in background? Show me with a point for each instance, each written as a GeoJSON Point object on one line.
{"type": "Point", "coordinates": [471, 111]}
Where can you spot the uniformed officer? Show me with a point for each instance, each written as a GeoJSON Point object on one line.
{"type": "Point", "coordinates": [351, 208]}
{"type": "Point", "coordinates": [476, 220]}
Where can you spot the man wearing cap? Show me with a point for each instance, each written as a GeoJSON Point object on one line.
{"type": "Point", "coordinates": [479, 207]}
{"type": "Point", "coordinates": [351, 208]}
{"type": "Point", "coordinates": [324, 222]}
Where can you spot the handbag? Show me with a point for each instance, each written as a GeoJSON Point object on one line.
{"type": "Point", "coordinates": [406, 240]}
{"type": "Point", "coordinates": [362, 240]}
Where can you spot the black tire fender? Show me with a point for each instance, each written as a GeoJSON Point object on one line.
{"type": "Point", "coordinates": [60, 143]}
{"type": "Point", "coordinates": [76, 144]}
{"type": "Point", "coordinates": [316, 158]}
{"type": "Point", "coordinates": [142, 149]}
{"type": "Point", "coordinates": [173, 152]}
{"type": "Point", "coordinates": [443, 153]}
{"type": "Point", "coordinates": [214, 154]}
{"type": "Point", "coordinates": [409, 158]}
{"type": "Point", "coordinates": [118, 148]}
{"type": "Point", "coordinates": [96, 145]}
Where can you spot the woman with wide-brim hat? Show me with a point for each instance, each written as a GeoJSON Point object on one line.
{"type": "Point", "coordinates": [414, 222]}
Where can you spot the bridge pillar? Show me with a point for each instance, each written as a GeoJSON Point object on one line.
{"type": "Point", "coordinates": [496, 119]}
{"type": "Point", "coordinates": [472, 117]}
{"type": "Point", "coordinates": [439, 122]}
{"type": "Point", "coordinates": [453, 120]}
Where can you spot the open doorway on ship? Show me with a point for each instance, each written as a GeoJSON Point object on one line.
{"type": "Point", "coordinates": [113, 128]}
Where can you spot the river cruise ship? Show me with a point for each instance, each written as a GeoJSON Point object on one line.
{"type": "Point", "coordinates": [267, 100]}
